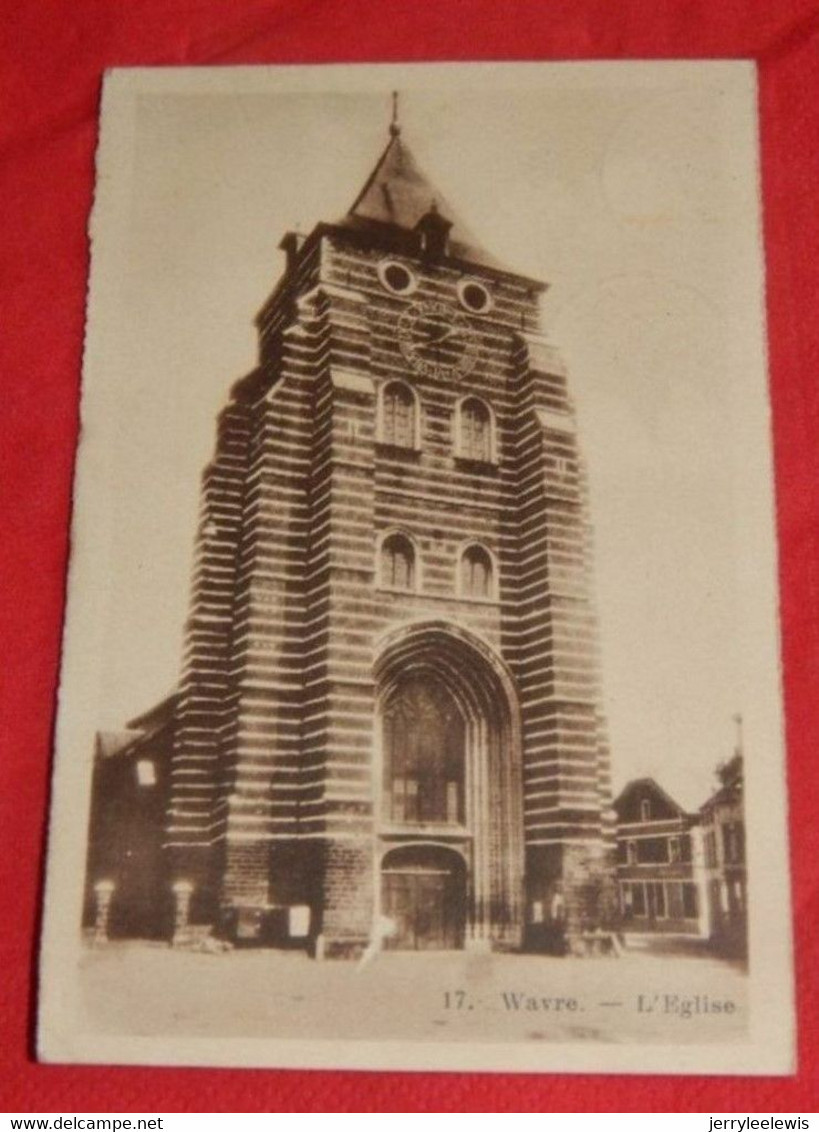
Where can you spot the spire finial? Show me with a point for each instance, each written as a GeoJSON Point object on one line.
{"type": "Point", "coordinates": [740, 739]}
{"type": "Point", "coordinates": [395, 128]}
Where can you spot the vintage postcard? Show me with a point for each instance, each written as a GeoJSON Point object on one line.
{"type": "Point", "coordinates": [420, 704]}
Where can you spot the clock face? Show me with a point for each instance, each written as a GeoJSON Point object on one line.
{"type": "Point", "coordinates": [437, 340]}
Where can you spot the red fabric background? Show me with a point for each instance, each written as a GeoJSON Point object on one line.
{"type": "Point", "coordinates": [53, 56]}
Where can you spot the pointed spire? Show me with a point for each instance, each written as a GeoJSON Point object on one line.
{"type": "Point", "coordinates": [398, 193]}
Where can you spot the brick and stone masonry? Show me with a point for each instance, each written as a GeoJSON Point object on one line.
{"type": "Point", "coordinates": [388, 722]}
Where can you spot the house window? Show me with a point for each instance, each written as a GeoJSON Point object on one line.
{"type": "Point", "coordinates": [476, 573]}
{"type": "Point", "coordinates": [645, 809]}
{"type": "Point", "coordinates": [733, 842]}
{"type": "Point", "coordinates": [723, 896]}
{"type": "Point", "coordinates": [674, 849]}
{"type": "Point", "coordinates": [638, 899]}
{"type": "Point", "coordinates": [631, 852]}
{"type": "Point", "coordinates": [658, 895]}
{"type": "Point", "coordinates": [730, 843]}
{"type": "Point", "coordinates": [475, 430]}
{"type": "Point", "coordinates": [145, 772]}
{"type": "Point", "coordinates": [690, 905]}
{"type": "Point", "coordinates": [626, 900]}
{"type": "Point", "coordinates": [397, 565]}
{"type": "Point", "coordinates": [653, 851]}
{"type": "Point", "coordinates": [398, 416]}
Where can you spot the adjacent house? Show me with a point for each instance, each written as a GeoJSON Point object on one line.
{"type": "Point", "coordinates": [658, 873]}
{"type": "Point", "coordinates": [126, 878]}
{"type": "Point", "coordinates": [723, 834]}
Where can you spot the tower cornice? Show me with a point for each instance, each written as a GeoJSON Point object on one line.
{"type": "Point", "coordinates": [390, 239]}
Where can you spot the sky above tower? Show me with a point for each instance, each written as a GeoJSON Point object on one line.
{"type": "Point", "coordinates": [632, 198]}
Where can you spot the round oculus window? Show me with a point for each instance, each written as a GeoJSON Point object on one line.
{"type": "Point", "coordinates": [474, 296]}
{"type": "Point", "coordinates": [396, 277]}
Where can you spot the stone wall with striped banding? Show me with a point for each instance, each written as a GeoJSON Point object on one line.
{"type": "Point", "coordinates": [202, 712]}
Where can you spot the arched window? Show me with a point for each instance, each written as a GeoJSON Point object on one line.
{"type": "Point", "coordinates": [397, 565]}
{"type": "Point", "coordinates": [475, 430]}
{"type": "Point", "coordinates": [424, 754]}
{"type": "Point", "coordinates": [476, 573]}
{"type": "Point", "coordinates": [398, 415]}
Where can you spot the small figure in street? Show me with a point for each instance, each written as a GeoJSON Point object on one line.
{"type": "Point", "coordinates": [383, 927]}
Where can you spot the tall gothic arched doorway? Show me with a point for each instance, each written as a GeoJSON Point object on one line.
{"type": "Point", "coordinates": [450, 829]}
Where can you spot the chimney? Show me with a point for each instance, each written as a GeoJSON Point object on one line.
{"type": "Point", "coordinates": [291, 245]}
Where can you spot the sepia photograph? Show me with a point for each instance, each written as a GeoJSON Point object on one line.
{"type": "Point", "coordinates": [420, 702]}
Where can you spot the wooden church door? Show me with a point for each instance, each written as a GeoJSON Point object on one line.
{"type": "Point", "coordinates": [423, 892]}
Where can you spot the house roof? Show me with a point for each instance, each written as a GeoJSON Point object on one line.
{"type": "Point", "coordinates": [647, 784]}
{"type": "Point", "coordinates": [724, 796]}
{"type": "Point", "coordinates": [110, 743]}
{"type": "Point", "coordinates": [144, 728]}
{"type": "Point", "coordinates": [398, 193]}
{"type": "Point", "coordinates": [157, 716]}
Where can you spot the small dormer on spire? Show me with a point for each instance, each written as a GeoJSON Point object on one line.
{"type": "Point", "coordinates": [433, 230]}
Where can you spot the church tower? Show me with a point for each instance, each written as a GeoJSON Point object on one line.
{"type": "Point", "coordinates": [389, 716]}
